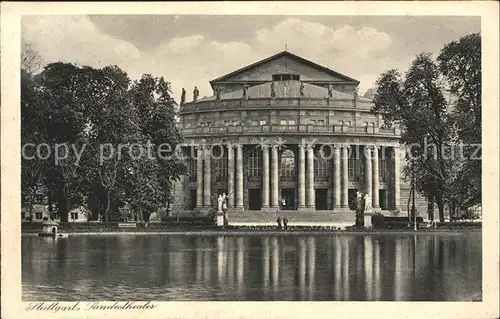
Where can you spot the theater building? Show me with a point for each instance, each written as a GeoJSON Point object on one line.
{"type": "Point", "coordinates": [286, 136]}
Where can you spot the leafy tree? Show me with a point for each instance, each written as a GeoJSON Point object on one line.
{"type": "Point", "coordinates": [33, 168]}
{"type": "Point", "coordinates": [112, 124]}
{"type": "Point", "coordinates": [460, 64]}
{"type": "Point", "coordinates": [443, 128]}
{"type": "Point", "coordinates": [158, 130]}
{"type": "Point", "coordinates": [417, 102]}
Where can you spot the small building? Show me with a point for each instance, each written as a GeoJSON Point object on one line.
{"type": "Point", "coordinates": [49, 228]}
{"type": "Point", "coordinates": [78, 215]}
{"type": "Point", "coordinates": [38, 213]}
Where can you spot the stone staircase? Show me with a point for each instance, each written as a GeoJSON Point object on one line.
{"type": "Point", "coordinates": [296, 218]}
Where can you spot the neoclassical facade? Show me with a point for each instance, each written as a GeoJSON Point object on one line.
{"type": "Point", "coordinates": [287, 136]}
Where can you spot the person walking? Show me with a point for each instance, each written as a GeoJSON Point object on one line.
{"type": "Point", "coordinates": [279, 222]}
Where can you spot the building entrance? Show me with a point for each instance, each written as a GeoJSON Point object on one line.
{"type": "Point", "coordinates": [192, 202]}
{"type": "Point", "coordinates": [287, 198]}
{"type": "Point", "coordinates": [321, 199]}
{"type": "Point", "coordinates": [254, 199]}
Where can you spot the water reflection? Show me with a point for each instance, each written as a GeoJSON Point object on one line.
{"type": "Point", "coordinates": [157, 267]}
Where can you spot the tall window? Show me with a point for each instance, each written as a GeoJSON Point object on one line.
{"type": "Point", "coordinates": [356, 165]}
{"type": "Point", "coordinates": [255, 165]}
{"type": "Point", "coordinates": [287, 169]}
{"type": "Point", "coordinates": [382, 167]}
{"type": "Point", "coordinates": [220, 164]}
{"type": "Point", "coordinates": [321, 164]}
{"type": "Point", "coordinates": [193, 169]}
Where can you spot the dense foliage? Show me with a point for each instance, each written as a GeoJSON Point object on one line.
{"type": "Point", "coordinates": [438, 105]}
{"type": "Point", "coordinates": [74, 120]}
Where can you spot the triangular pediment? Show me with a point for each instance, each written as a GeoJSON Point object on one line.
{"type": "Point", "coordinates": [284, 62]}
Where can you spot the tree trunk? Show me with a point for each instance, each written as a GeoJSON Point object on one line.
{"type": "Point", "coordinates": [441, 209]}
{"type": "Point", "coordinates": [108, 206]}
{"type": "Point", "coordinates": [49, 195]}
{"type": "Point", "coordinates": [64, 208]}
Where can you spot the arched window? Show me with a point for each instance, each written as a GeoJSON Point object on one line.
{"type": "Point", "coordinates": [287, 167]}
{"type": "Point", "coordinates": [321, 164]}
{"type": "Point", "coordinates": [255, 164]}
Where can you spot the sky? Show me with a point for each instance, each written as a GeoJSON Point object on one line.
{"type": "Point", "coordinates": [191, 50]}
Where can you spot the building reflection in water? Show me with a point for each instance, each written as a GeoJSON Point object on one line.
{"type": "Point", "coordinates": [368, 266]}
{"type": "Point", "coordinates": [422, 267]}
{"type": "Point", "coordinates": [240, 265]}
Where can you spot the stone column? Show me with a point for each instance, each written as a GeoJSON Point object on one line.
{"type": "Point", "coordinates": [239, 176]}
{"type": "Point", "coordinates": [199, 176]}
{"type": "Point", "coordinates": [336, 177]}
{"type": "Point", "coordinates": [345, 177]}
{"type": "Point", "coordinates": [375, 162]}
{"type": "Point", "coordinates": [396, 176]}
{"type": "Point", "coordinates": [265, 176]}
{"type": "Point", "coordinates": [368, 171]}
{"type": "Point", "coordinates": [274, 177]}
{"type": "Point", "coordinates": [230, 175]}
{"type": "Point", "coordinates": [302, 176]}
{"type": "Point", "coordinates": [310, 177]}
{"type": "Point", "coordinates": [207, 191]}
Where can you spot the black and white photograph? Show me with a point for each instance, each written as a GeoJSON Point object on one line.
{"type": "Point", "coordinates": [165, 157]}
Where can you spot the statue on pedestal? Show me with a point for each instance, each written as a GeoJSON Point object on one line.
{"type": "Point", "coordinates": [330, 90]}
{"type": "Point", "coordinates": [220, 201]}
{"type": "Point", "coordinates": [183, 96]}
{"type": "Point", "coordinates": [368, 203]}
{"type": "Point", "coordinates": [196, 93]}
{"type": "Point", "coordinates": [360, 208]}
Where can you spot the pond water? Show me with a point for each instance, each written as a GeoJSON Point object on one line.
{"type": "Point", "coordinates": [259, 268]}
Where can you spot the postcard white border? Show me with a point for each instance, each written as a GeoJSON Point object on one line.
{"type": "Point", "coordinates": [12, 307]}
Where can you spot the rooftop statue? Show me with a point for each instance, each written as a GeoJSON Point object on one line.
{"type": "Point", "coordinates": [183, 96]}
{"type": "Point", "coordinates": [196, 93]}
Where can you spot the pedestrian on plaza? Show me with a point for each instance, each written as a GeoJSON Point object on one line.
{"type": "Point", "coordinates": [279, 222]}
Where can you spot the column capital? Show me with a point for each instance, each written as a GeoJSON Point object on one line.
{"type": "Point", "coordinates": [309, 147]}
{"type": "Point", "coordinates": [345, 146]}
{"type": "Point", "coordinates": [301, 146]}
{"type": "Point", "coordinates": [264, 146]}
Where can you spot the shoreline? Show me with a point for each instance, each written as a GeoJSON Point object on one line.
{"type": "Point", "coordinates": [250, 232]}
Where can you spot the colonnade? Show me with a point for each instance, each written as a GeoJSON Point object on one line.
{"type": "Point", "coordinates": [306, 187]}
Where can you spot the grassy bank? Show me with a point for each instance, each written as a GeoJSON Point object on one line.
{"type": "Point", "coordinates": [200, 227]}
